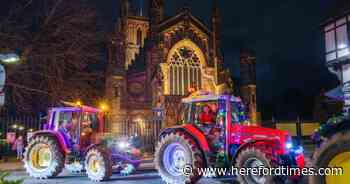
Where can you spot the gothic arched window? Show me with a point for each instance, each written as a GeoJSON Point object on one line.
{"type": "Point", "coordinates": [139, 37]}
{"type": "Point", "coordinates": [184, 71]}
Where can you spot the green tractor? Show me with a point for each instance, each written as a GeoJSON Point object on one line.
{"type": "Point", "coordinates": [333, 150]}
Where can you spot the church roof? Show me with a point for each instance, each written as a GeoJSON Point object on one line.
{"type": "Point", "coordinates": [185, 13]}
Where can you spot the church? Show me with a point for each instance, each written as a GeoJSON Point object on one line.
{"type": "Point", "coordinates": [154, 61]}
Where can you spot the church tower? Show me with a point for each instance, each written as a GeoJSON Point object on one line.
{"type": "Point", "coordinates": [216, 23]}
{"type": "Point", "coordinates": [156, 14]}
{"type": "Point", "coordinates": [248, 82]}
{"type": "Point", "coordinates": [134, 27]}
{"type": "Point", "coordinates": [116, 80]}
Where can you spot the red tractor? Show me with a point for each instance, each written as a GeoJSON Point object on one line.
{"type": "Point", "coordinates": [214, 134]}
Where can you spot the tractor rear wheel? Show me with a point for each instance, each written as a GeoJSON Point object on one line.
{"type": "Point", "coordinates": [334, 152]}
{"type": "Point", "coordinates": [98, 164]}
{"type": "Point", "coordinates": [177, 159]}
{"type": "Point", "coordinates": [254, 158]}
{"type": "Point", "coordinates": [43, 158]}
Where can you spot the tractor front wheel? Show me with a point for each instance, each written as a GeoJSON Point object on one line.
{"type": "Point", "coordinates": [98, 164]}
{"type": "Point", "coordinates": [175, 154]}
{"type": "Point", "coordinates": [43, 157]}
{"type": "Point", "coordinates": [254, 158]}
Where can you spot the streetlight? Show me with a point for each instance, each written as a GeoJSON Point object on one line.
{"type": "Point", "coordinates": [15, 126]}
{"type": "Point", "coordinates": [9, 58]}
{"type": "Point", "coordinates": [20, 128]}
{"type": "Point", "coordinates": [103, 107]}
{"type": "Point", "coordinates": [337, 54]}
{"type": "Point", "coordinates": [5, 58]}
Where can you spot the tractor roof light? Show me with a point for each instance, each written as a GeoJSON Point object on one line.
{"type": "Point", "coordinates": [78, 103]}
{"type": "Point", "coordinates": [103, 107]}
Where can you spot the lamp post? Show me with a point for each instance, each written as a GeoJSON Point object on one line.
{"type": "Point", "coordinates": [337, 53]}
{"type": "Point", "coordinates": [5, 58]}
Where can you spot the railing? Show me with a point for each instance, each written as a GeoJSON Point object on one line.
{"type": "Point", "coordinates": [18, 125]}
{"type": "Point", "coordinates": [147, 130]}
{"type": "Point", "coordinates": [301, 129]}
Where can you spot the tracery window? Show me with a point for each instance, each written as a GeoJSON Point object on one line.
{"type": "Point", "coordinates": [139, 37]}
{"type": "Point", "coordinates": [184, 71]}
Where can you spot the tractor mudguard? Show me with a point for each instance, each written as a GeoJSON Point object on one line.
{"type": "Point", "coordinates": [58, 136]}
{"type": "Point", "coordinates": [197, 135]}
{"type": "Point", "coordinates": [91, 146]}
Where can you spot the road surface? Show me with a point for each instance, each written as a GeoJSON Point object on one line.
{"type": "Point", "coordinates": [148, 177]}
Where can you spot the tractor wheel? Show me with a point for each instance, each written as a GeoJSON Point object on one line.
{"type": "Point", "coordinates": [176, 153]}
{"type": "Point", "coordinates": [43, 158]}
{"type": "Point", "coordinates": [334, 152]}
{"type": "Point", "coordinates": [254, 158]}
{"type": "Point", "coordinates": [98, 164]}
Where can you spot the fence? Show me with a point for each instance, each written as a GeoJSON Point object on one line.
{"type": "Point", "coordinates": [147, 130]}
{"type": "Point", "coordinates": [20, 125]}
{"type": "Point", "coordinates": [298, 128]}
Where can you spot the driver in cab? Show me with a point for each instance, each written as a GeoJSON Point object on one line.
{"type": "Point", "coordinates": [208, 118]}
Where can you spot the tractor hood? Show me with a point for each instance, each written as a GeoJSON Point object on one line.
{"type": "Point", "coordinates": [243, 134]}
{"type": "Point", "coordinates": [261, 132]}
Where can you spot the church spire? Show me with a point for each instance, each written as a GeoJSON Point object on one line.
{"type": "Point", "coordinates": [156, 14]}
{"type": "Point", "coordinates": [156, 11]}
{"type": "Point", "coordinates": [140, 8]}
{"type": "Point", "coordinates": [124, 8]}
{"type": "Point", "coordinates": [216, 23]}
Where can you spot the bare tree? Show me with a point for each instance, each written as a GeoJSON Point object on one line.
{"type": "Point", "coordinates": [59, 44]}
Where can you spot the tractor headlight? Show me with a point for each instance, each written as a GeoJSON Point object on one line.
{"type": "Point", "coordinates": [123, 145]}
{"type": "Point", "coordinates": [289, 145]}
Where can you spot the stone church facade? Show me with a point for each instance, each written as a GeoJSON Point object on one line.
{"type": "Point", "coordinates": [154, 61]}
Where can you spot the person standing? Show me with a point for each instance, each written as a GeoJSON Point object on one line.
{"type": "Point", "coordinates": [19, 146]}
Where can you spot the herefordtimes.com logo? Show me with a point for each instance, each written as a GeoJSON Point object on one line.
{"type": "Point", "coordinates": [264, 171]}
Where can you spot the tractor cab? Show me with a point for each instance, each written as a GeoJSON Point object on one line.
{"type": "Point", "coordinates": [214, 116]}
{"type": "Point", "coordinates": [78, 125]}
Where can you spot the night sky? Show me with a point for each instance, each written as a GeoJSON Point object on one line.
{"type": "Point", "coordinates": [285, 36]}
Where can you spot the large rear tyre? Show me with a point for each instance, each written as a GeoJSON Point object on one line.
{"type": "Point", "coordinates": [98, 164]}
{"type": "Point", "coordinates": [175, 152]}
{"type": "Point", "coordinates": [254, 158]}
{"type": "Point", "coordinates": [334, 152]}
{"type": "Point", "coordinates": [43, 158]}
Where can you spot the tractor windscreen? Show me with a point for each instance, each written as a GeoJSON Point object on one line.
{"type": "Point", "coordinates": [204, 112]}
{"type": "Point", "coordinates": [238, 113]}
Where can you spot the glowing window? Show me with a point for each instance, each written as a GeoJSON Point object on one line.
{"type": "Point", "coordinates": [184, 71]}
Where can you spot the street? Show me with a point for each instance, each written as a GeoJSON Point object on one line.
{"type": "Point", "coordinates": [149, 177]}
{"type": "Point", "coordinates": [146, 175]}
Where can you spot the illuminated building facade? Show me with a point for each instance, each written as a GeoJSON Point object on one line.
{"type": "Point", "coordinates": [155, 60]}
